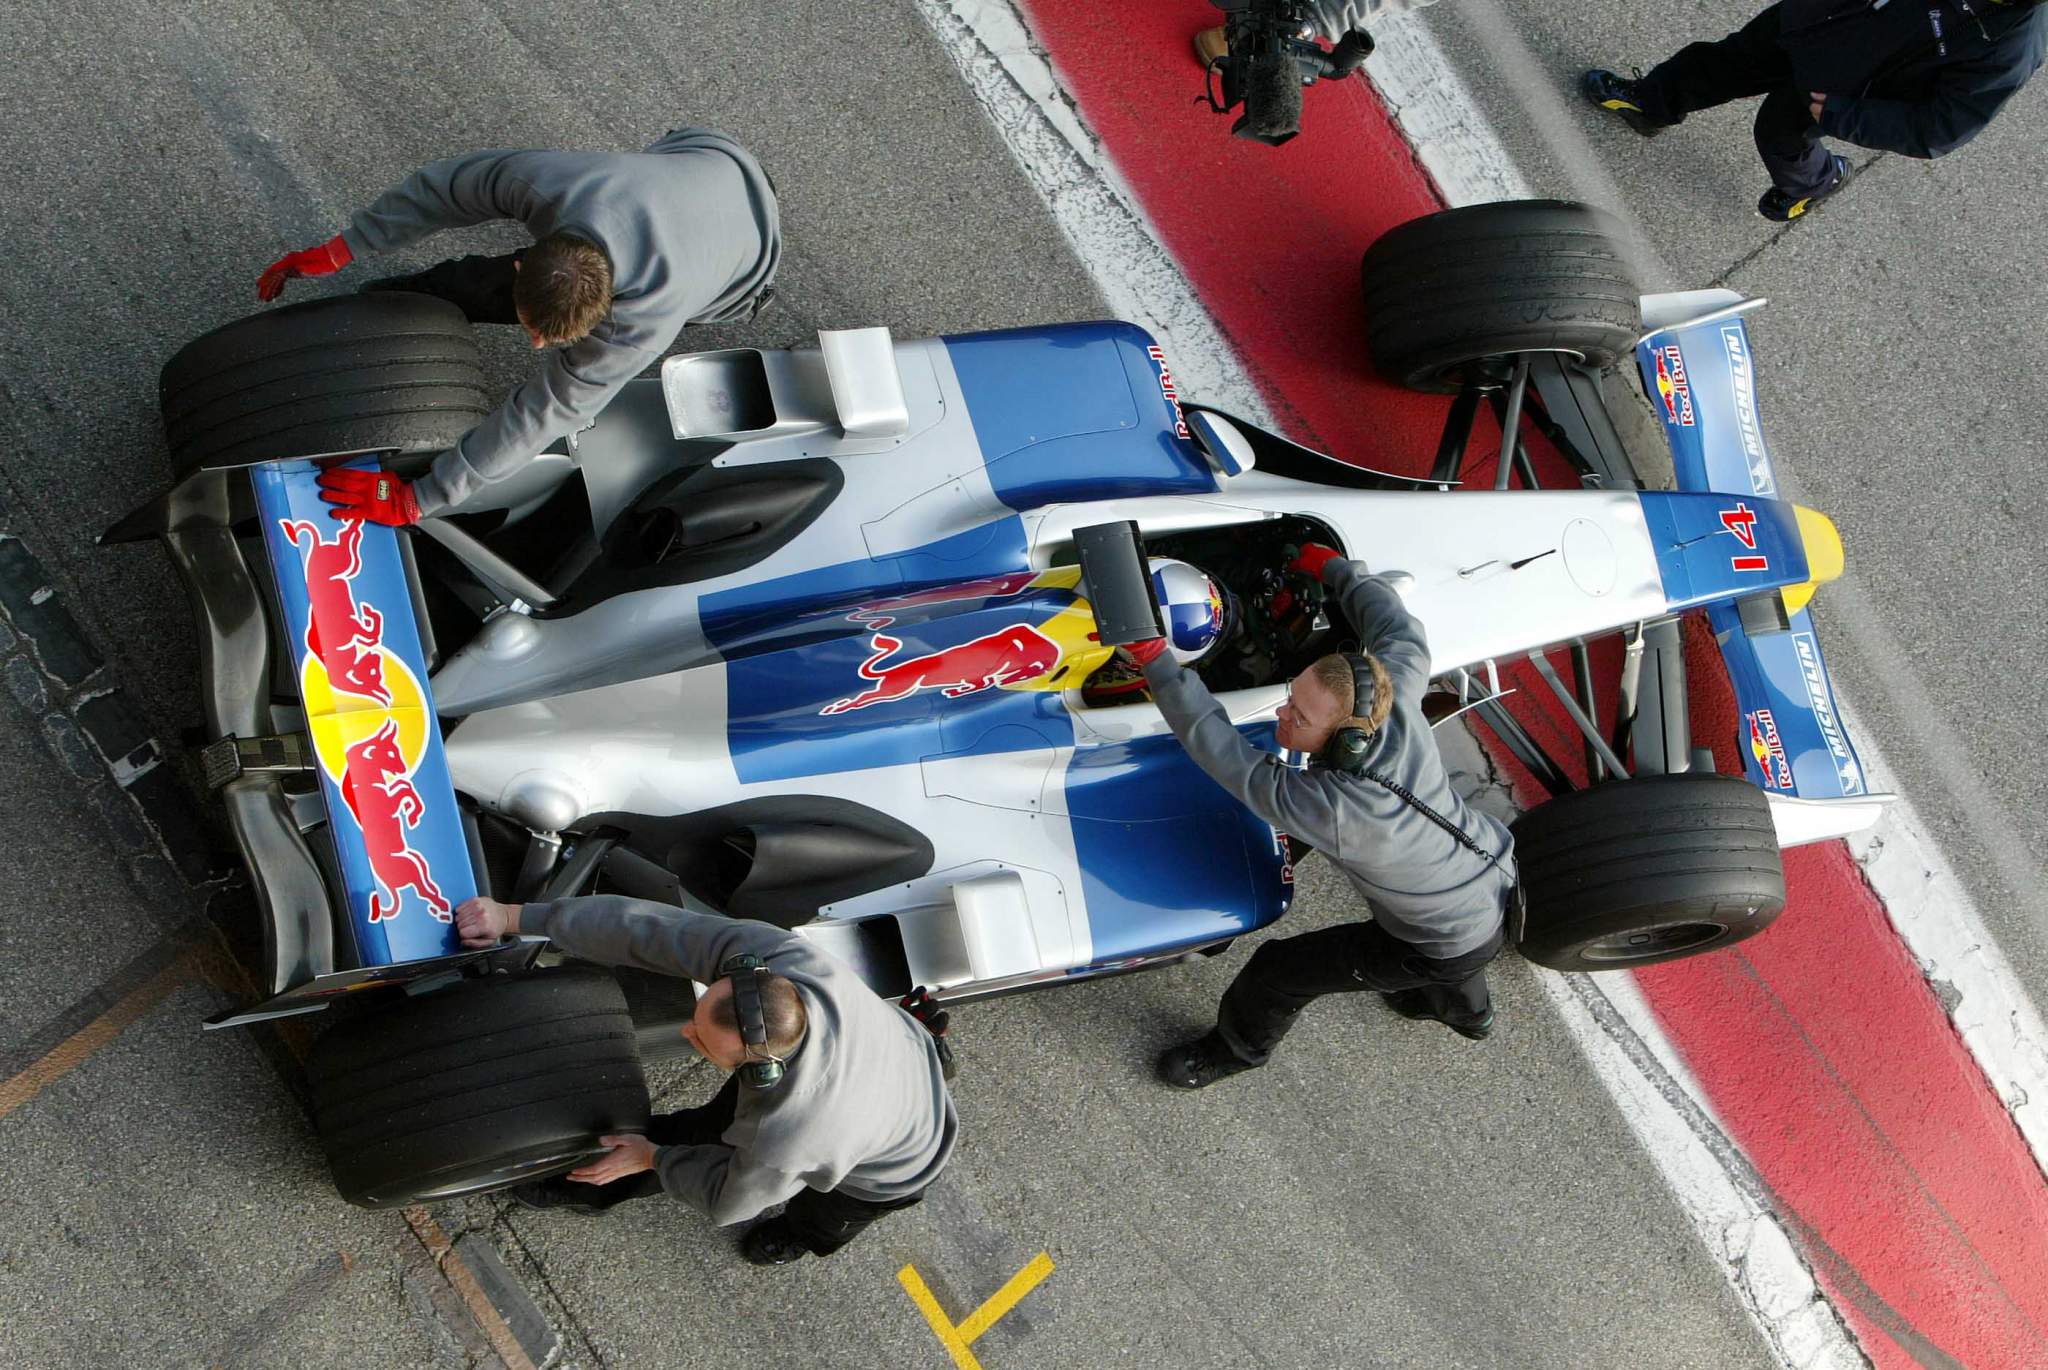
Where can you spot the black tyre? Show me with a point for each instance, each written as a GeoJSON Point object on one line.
{"type": "Point", "coordinates": [378, 372]}
{"type": "Point", "coordinates": [1449, 291]}
{"type": "Point", "coordinates": [1633, 872]}
{"type": "Point", "coordinates": [484, 1084]}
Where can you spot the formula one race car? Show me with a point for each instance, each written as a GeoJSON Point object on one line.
{"type": "Point", "coordinates": [802, 635]}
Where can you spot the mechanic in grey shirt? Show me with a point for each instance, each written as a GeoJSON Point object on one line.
{"type": "Point", "coordinates": [629, 247]}
{"type": "Point", "coordinates": [1437, 901]}
{"type": "Point", "coordinates": [860, 1124]}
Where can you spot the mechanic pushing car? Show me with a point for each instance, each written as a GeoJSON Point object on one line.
{"type": "Point", "coordinates": [1917, 79]}
{"type": "Point", "coordinates": [1376, 800]}
{"type": "Point", "coordinates": [628, 248]}
{"type": "Point", "coordinates": [836, 1102]}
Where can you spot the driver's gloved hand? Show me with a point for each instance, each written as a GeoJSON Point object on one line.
{"type": "Point", "coordinates": [1312, 558]}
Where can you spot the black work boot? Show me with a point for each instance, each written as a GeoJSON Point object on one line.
{"type": "Point", "coordinates": [772, 1242]}
{"type": "Point", "coordinates": [1782, 207]}
{"type": "Point", "coordinates": [1202, 1062]}
{"type": "Point", "coordinates": [1618, 96]}
{"type": "Point", "coordinates": [1413, 1003]}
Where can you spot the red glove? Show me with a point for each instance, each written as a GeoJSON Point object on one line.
{"type": "Point", "coordinates": [377, 496]}
{"type": "Point", "coordinates": [324, 260]}
{"type": "Point", "coordinates": [1146, 652]}
{"type": "Point", "coordinates": [1312, 558]}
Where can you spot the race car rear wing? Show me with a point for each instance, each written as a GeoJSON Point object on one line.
{"type": "Point", "coordinates": [1698, 368]}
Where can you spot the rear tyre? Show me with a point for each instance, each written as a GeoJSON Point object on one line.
{"type": "Point", "coordinates": [1633, 872]}
{"type": "Point", "coordinates": [485, 1084]}
{"type": "Point", "coordinates": [381, 372]}
{"type": "Point", "coordinates": [1447, 293]}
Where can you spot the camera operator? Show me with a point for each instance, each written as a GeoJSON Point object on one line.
{"type": "Point", "coordinates": [1265, 54]}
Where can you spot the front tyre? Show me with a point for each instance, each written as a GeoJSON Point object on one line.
{"type": "Point", "coordinates": [1450, 296]}
{"type": "Point", "coordinates": [1632, 872]}
{"type": "Point", "coordinates": [484, 1084]}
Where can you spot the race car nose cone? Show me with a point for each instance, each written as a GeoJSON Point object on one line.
{"type": "Point", "coordinates": [1823, 556]}
{"type": "Point", "coordinates": [1823, 545]}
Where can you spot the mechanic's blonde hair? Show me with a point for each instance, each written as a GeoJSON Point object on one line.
{"type": "Point", "coordinates": [564, 287]}
{"type": "Point", "coordinates": [1334, 674]}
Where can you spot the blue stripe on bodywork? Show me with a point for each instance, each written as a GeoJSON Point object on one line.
{"type": "Point", "coordinates": [992, 548]}
{"type": "Point", "coordinates": [1075, 412]}
{"type": "Point", "coordinates": [1167, 857]}
{"type": "Point", "coordinates": [894, 663]}
{"type": "Point", "coordinates": [431, 846]}
{"type": "Point", "coordinates": [1700, 556]}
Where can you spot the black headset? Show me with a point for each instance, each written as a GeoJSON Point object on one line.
{"type": "Point", "coordinates": [1346, 749]}
{"type": "Point", "coordinates": [745, 973]}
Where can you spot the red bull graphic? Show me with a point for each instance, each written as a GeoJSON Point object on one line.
{"type": "Point", "coordinates": [346, 635]}
{"type": "Point", "coordinates": [1672, 387]}
{"type": "Point", "coordinates": [1769, 750]}
{"type": "Point", "coordinates": [1168, 389]}
{"type": "Point", "coordinates": [391, 811]}
{"type": "Point", "coordinates": [379, 792]}
{"type": "Point", "coordinates": [1006, 656]}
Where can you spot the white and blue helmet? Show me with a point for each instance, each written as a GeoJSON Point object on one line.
{"type": "Point", "coordinates": [1193, 607]}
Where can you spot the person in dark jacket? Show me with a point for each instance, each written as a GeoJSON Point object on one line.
{"type": "Point", "coordinates": [1915, 77]}
{"type": "Point", "coordinates": [1436, 874]}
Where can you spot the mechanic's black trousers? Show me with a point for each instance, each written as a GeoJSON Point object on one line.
{"type": "Point", "coordinates": [481, 287]}
{"type": "Point", "coordinates": [823, 1222]}
{"type": "Point", "coordinates": [1287, 974]}
{"type": "Point", "coordinates": [1747, 62]}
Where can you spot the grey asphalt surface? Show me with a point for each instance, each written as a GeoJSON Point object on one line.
{"type": "Point", "coordinates": [1384, 1194]}
{"type": "Point", "coordinates": [1896, 377]}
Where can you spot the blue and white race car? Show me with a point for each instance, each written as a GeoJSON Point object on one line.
{"type": "Point", "coordinates": [802, 635]}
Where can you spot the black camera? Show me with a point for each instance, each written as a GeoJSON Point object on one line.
{"type": "Point", "coordinates": [1272, 54]}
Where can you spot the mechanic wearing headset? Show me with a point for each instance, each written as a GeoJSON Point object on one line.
{"type": "Point", "coordinates": [1377, 801]}
{"type": "Point", "coordinates": [1915, 77]}
{"type": "Point", "coordinates": [629, 247]}
{"type": "Point", "coordinates": [837, 1101]}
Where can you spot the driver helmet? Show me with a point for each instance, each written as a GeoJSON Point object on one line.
{"type": "Point", "coordinates": [1196, 609]}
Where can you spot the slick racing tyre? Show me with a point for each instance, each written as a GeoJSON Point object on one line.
{"type": "Point", "coordinates": [380, 372]}
{"type": "Point", "coordinates": [484, 1084]}
{"type": "Point", "coordinates": [1633, 872]}
{"type": "Point", "coordinates": [1453, 291]}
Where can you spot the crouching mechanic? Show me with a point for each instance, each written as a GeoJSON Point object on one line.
{"type": "Point", "coordinates": [839, 1107]}
{"type": "Point", "coordinates": [628, 248]}
{"type": "Point", "coordinates": [1376, 800]}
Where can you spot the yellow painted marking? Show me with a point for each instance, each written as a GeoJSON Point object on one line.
{"type": "Point", "coordinates": [956, 1339]}
{"type": "Point", "coordinates": [76, 1049]}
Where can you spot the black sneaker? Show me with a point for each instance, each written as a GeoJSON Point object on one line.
{"type": "Point", "coordinates": [772, 1243]}
{"type": "Point", "coordinates": [557, 1193]}
{"type": "Point", "coordinates": [1781, 207]}
{"type": "Point", "coordinates": [1201, 1063]}
{"type": "Point", "coordinates": [1618, 96]}
{"type": "Point", "coordinates": [1412, 1003]}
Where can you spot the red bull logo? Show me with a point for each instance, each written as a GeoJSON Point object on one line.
{"type": "Point", "coordinates": [1169, 389]}
{"type": "Point", "coordinates": [1769, 750]}
{"type": "Point", "coordinates": [1672, 387]}
{"type": "Point", "coordinates": [347, 636]}
{"type": "Point", "coordinates": [1007, 656]}
{"type": "Point", "coordinates": [368, 715]}
{"type": "Point", "coordinates": [378, 790]}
